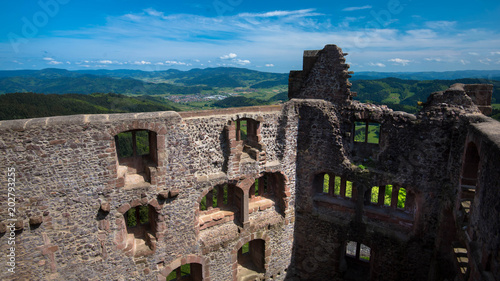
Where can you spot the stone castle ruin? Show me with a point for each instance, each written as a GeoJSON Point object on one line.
{"type": "Point", "coordinates": [320, 188]}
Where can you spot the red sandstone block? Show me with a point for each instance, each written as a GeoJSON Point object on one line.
{"type": "Point", "coordinates": [124, 208]}
{"type": "Point", "coordinates": [204, 219]}
{"type": "Point", "coordinates": [120, 182]}
{"type": "Point", "coordinates": [192, 259]}
{"type": "Point", "coordinates": [266, 204]}
{"type": "Point", "coordinates": [135, 203]}
{"type": "Point", "coordinates": [162, 131]}
{"type": "Point", "coordinates": [217, 216]}
{"type": "Point", "coordinates": [154, 203]}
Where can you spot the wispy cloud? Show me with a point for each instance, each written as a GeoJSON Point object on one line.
{"type": "Point", "coordinates": [228, 56]}
{"type": "Point", "coordinates": [242, 62]}
{"type": "Point", "coordinates": [141, 62]}
{"type": "Point", "coordinates": [434, 59]}
{"type": "Point", "coordinates": [105, 62]}
{"type": "Point", "coordinates": [485, 61]}
{"type": "Point", "coordinates": [350, 9]}
{"type": "Point", "coordinates": [441, 24]}
{"type": "Point", "coordinates": [173, 62]}
{"type": "Point", "coordinates": [403, 62]}
{"type": "Point", "coordinates": [52, 61]}
{"type": "Point", "coordinates": [378, 64]}
{"type": "Point", "coordinates": [300, 13]}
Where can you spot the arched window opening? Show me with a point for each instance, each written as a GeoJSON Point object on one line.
{"type": "Point", "coordinates": [218, 206]}
{"type": "Point", "coordinates": [137, 157]}
{"type": "Point", "coordinates": [247, 131]}
{"type": "Point", "coordinates": [357, 251]}
{"type": "Point", "coordinates": [471, 166]}
{"type": "Point", "coordinates": [468, 181]}
{"type": "Point", "coordinates": [259, 188]}
{"type": "Point", "coordinates": [141, 228]}
{"type": "Point", "coordinates": [219, 197]}
{"type": "Point", "coordinates": [387, 195]}
{"type": "Point", "coordinates": [186, 272]}
{"type": "Point", "coordinates": [390, 203]}
{"type": "Point", "coordinates": [401, 199]}
{"type": "Point", "coordinates": [358, 258]}
{"type": "Point", "coordinates": [247, 136]}
{"type": "Point", "coordinates": [336, 186]}
{"type": "Point", "coordinates": [251, 260]}
{"type": "Point", "coordinates": [268, 191]}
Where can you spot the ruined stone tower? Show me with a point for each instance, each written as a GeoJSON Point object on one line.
{"type": "Point", "coordinates": [319, 188]}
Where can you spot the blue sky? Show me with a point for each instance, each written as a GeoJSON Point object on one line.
{"type": "Point", "coordinates": [389, 35]}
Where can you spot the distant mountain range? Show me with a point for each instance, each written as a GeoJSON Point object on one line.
{"type": "Point", "coordinates": [61, 81]}
{"type": "Point", "coordinates": [242, 87]}
{"type": "Point", "coordinates": [429, 75]}
{"type": "Point", "coordinates": [194, 76]}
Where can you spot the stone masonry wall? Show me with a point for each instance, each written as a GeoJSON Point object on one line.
{"type": "Point", "coordinates": [71, 205]}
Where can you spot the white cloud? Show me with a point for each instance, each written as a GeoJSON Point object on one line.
{"type": "Point", "coordinates": [105, 62]}
{"type": "Point", "coordinates": [434, 59]}
{"type": "Point", "coordinates": [350, 9]}
{"type": "Point", "coordinates": [473, 54]}
{"type": "Point", "coordinates": [485, 61]}
{"type": "Point", "coordinates": [141, 62]}
{"type": "Point", "coordinates": [400, 61]}
{"type": "Point", "coordinates": [229, 56]}
{"type": "Point", "coordinates": [169, 62]}
{"type": "Point", "coordinates": [495, 53]}
{"type": "Point", "coordinates": [242, 62]}
{"type": "Point", "coordinates": [269, 65]}
{"type": "Point", "coordinates": [464, 62]}
{"type": "Point", "coordinates": [154, 12]}
{"type": "Point", "coordinates": [53, 62]}
{"type": "Point", "coordinates": [379, 64]}
{"type": "Point", "coordinates": [303, 12]}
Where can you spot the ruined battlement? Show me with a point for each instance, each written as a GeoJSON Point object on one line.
{"type": "Point", "coordinates": [319, 188]}
{"type": "Point", "coordinates": [324, 76]}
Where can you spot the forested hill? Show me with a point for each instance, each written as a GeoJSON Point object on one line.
{"type": "Point", "coordinates": [31, 105]}
{"type": "Point", "coordinates": [60, 81]}
{"type": "Point", "coordinates": [404, 95]}
{"type": "Point", "coordinates": [88, 84]}
{"type": "Point", "coordinates": [139, 91]}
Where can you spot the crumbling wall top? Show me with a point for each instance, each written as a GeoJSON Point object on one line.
{"type": "Point", "coordinates": [454, 99]}
{"type": "Point", "coordinates": [324, 76]}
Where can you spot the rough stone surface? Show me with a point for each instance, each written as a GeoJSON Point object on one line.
{"type": "Point", "coordinates": [71, 192]}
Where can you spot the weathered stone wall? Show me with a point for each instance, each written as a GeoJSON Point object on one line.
{"type": "Point", "coordinates": [67, 187]}
{"type": "Point", "coordinates": [421, 153]}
